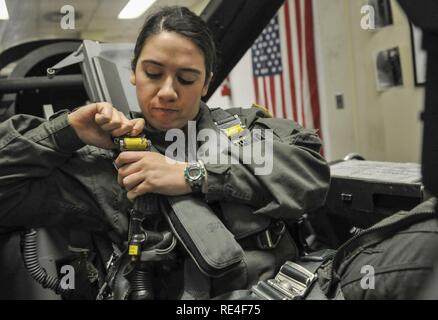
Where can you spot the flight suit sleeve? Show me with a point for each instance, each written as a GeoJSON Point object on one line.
{"type": "Point", "coordinates": [296, 183]}
{"type": "Point", "coordinates": [34, 189]}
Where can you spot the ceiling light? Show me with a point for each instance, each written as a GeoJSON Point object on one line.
{"type": "Point", "coordinates": [134, 9]}
{"type": "Point", "coordinates": [3, 11]}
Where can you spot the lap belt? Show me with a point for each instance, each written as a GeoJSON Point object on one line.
{"type": "Point", "coordinates": [294, 280]}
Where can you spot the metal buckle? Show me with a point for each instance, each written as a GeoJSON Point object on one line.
{"type": "Point", "coordinates": [266, 292]}
{"type": "Point", "coordinates": [293, 280]}
{"type": "Point", "coordinates": [270, 238]}
{"type": "Point", "coordinates": [233, 128]}
{"type": "Point", "coordinates": [241, 139]}
{"type": "Point", "coordinates": [291, 283]}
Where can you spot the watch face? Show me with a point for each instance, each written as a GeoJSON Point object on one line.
{"type": "Point", "coordinates": [195, 173]}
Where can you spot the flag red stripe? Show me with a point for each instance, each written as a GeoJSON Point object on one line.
{"type": "Point", "coordinates": [311, 67]}
{"type": "Point", "coordinates": [300, 55]}
{"type": "Point", "coordinates": [256, 89]}
{"type": "Point", "coordinates": [298, 59]}
{"type": "Point", "coordinates": [283, 98]}
{"type": "Point", "coordinates": [290, 60]}
{"type": "Point", "coordinates": [273, 98]}
{"type": "Point", "coordinates": [265, 91]}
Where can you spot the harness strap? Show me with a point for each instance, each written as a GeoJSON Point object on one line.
{"type": "Point", "coordinates": [196, 284]}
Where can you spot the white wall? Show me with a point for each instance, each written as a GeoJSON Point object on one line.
{"type": "Point", "coordinates": [335, 74]}
{"type": "Point", "coordinates": [241, 83]}
{"type": "Point", "coordinates": [379, 125]}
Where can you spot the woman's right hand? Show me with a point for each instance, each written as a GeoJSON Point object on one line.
{"type": "Point", "coordinates": [96, 124]}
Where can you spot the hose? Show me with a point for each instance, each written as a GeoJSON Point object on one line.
{"type": "Point", "coordinates": [32, 264]}
{"type": "Point", "coordinates": [141, 283]}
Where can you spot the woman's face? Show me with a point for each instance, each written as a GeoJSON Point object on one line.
{"type": "Point", "coordinates": [170, 80]}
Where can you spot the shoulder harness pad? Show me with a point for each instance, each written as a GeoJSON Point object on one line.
{"type": "Point", "coordinates": [231, 126]}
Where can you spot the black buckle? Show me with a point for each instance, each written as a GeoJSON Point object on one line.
{"type": "Point", "coordinates": [292, 282]}
{"type": "Point", "coordinates": [270, 238]}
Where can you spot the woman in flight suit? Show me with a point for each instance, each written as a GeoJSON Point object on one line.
{"type": "Point", "coordinates": [61, 171]}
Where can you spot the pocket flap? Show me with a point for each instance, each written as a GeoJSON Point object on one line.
{"type": "Point", "coordinates": [211, 245]}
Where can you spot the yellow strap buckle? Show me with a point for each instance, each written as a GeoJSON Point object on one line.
{"type": "Point", "coordinates": [234, 130]}
{"type": "Point", "coordinates": [132, 143]}
{"type": "Point", "coordinates": [133, 250]}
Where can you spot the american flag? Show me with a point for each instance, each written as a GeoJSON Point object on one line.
{"type": "Point", "coordinates": [284, 65]}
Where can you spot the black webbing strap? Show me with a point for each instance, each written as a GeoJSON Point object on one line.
{"type": "Point", "coordinates": [221, 116]}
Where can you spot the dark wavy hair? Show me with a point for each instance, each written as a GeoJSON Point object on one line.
{"type": "Point", "coordinates": [184, 22]}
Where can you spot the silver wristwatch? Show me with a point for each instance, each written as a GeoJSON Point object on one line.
{"type": "Point", "coordinates": [194, 174]}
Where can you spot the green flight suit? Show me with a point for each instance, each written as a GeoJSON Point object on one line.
{"type": "Point", "coordinates": [49, 178]}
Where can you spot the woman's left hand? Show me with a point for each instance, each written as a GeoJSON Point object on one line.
{"type": "Point", "coordinates": [143, 172]}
